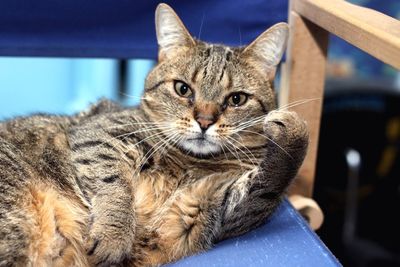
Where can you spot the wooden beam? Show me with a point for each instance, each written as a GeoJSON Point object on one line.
{"type": "Point", "coordinates": [304, 80]}
{"type": "Point", "coordinates": [371, 31]}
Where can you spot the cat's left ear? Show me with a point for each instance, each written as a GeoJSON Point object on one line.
{"type": "Point", "coordinates": [172, 36]}
{"type": "Point", "coordinates": [266, 51]}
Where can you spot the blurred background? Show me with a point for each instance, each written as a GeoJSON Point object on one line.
{"type": "Point", "coordinates": [358, 169]}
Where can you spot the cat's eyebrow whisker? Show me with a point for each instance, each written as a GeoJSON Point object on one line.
{"type": "Point", "coordinates": [271, 140]}
{"type": "Point", "coordinates": [297, 103]}
{"type": "Point", "coordinates": [135, 97]}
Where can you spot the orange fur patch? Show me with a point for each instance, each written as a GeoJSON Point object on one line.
{"type": "Point", "coordinates": [56, 228]}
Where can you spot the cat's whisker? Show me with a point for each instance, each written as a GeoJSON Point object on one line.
{"type": "Point", "coordinates": [235, 155]}
{"type": "Point", "coordinates": [248, 115]}
{"type": "Point", "coordinates": [252, 121]}
{"type": "Point", "coordinates": [135, 97]}
{"type": "Point", "coordinates": [297, 103]}
{"type": "Point", "coordinates": [155, 148]}
{"type": "Point", "coordinates": [201, 25]}
{"type": "Point", "coordinates": [261, 118]}
{"type": "Point", "coordinates": [223, 150]}
{"type": "Point", "coordinates": [232, 152]}
{"type": "Point", "coordinates": [141, 162]}
{"type": "Point", "coordinates": [244, 153]}
{"type": "Point", "coordinates": [291, 103]}
{"type": "Point", "coordinates": [234, 149]}
{"type": "Point", "coordinates": [180, 137]}
{"type": "Point", "coordinates": [153, 136]}
{"type": "Point", "coordinates": [245, 147]}
{"type": "Point", "coordinates": [136, 124]}
{"type": "Point", "coordinates": [238, 129]}
{"type": "Point", "coordinates": [142, 131]}
{"type": "Point", "coordinates": [163, 145]}
{"type": "Point", "coordinates": [271, 140]}
{"type": "Point", "coordinates": [126, 135]}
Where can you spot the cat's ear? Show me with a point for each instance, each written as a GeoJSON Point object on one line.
{"type": "Point", "coordinates": [172, 36]}
{"type": "Point", "coordinates": [267, 50]}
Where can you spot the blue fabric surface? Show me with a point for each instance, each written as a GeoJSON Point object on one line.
{"type": "Point", "coordinates": [125, 28]}
{"type": "Point", "coordinates": [285, 240]}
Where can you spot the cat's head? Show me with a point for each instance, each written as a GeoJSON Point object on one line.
{"type": "Point", "coordinates": [203, 95]}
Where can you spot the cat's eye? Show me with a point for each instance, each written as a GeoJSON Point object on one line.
{"type": "Point", "coordinates": [182, 89]}
{"type": "Point", "coordinates": [237, 99]}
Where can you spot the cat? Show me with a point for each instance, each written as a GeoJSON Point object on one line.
{"type": "Point", "coordinates": [206, 156]}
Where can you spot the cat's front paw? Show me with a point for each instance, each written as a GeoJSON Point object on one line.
{"type": "Point", "coordinates": [288, 132]}
{"type": "Point", "coordinates": [107, 245]}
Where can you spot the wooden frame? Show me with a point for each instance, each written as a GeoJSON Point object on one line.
{"type": "Point", "coordinates": [303, 75]}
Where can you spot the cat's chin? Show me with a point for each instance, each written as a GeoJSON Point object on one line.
{"type": "Point", "coordinates": [200, 146]}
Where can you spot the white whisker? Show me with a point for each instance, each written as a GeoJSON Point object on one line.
{"type": "Point", "coordinates": [275, 143]}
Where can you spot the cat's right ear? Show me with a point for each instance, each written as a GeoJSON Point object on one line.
{"type": "Point", "coordinates": [172, 36]}
{"type": "Point", "coordinates": [267, 50]}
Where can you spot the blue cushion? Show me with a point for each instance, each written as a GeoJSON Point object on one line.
{"type": "Point", "coordinates": [284, 240]}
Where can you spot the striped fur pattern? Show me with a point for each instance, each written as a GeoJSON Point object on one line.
{"type": "Point", "coordinates": [206, 156]}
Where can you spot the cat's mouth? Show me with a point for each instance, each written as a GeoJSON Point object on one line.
{"type": "Point", "coordinates": [201, 138]}
{"type": "Point", "coordinates": [201, 145]}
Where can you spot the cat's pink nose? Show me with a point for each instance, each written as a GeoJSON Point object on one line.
{"type": "Point", "coordinates": [205, 115]}
{"type": "Point", "coordinates": [204, 123]}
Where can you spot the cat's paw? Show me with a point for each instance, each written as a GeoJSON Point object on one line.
{"type": "Point", "coordinates": [108, 245]}
{"type": "Point", "coordinates": [286, 130]}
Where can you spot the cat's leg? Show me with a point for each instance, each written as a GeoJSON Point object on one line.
{"type": "Point", "coordinates": [112, 222]}
{"type": "Point", "coordinates": [191, 219]}
{"type": "Point", "coordinates": [256, 194]}
{"type": "Point", "coordinates": [104, 176]}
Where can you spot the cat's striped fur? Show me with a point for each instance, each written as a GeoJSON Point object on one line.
{"type": "Point", "coordinates": [150, 185]}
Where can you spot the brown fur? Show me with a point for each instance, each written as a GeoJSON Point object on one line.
{"type": "Point", "coordinates": [150, 185]}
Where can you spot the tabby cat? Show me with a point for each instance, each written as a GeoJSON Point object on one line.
{"type": "Point", "coordinates": [206, 156]}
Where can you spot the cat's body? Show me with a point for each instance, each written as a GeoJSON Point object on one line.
{"type": "Point", "coordinates": [192, 165]}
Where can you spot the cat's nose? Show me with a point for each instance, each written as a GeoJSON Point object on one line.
{"type": "Point", "coordinates": [205, 122]}
{"type": "Point", "coordinates": [205, 114]}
